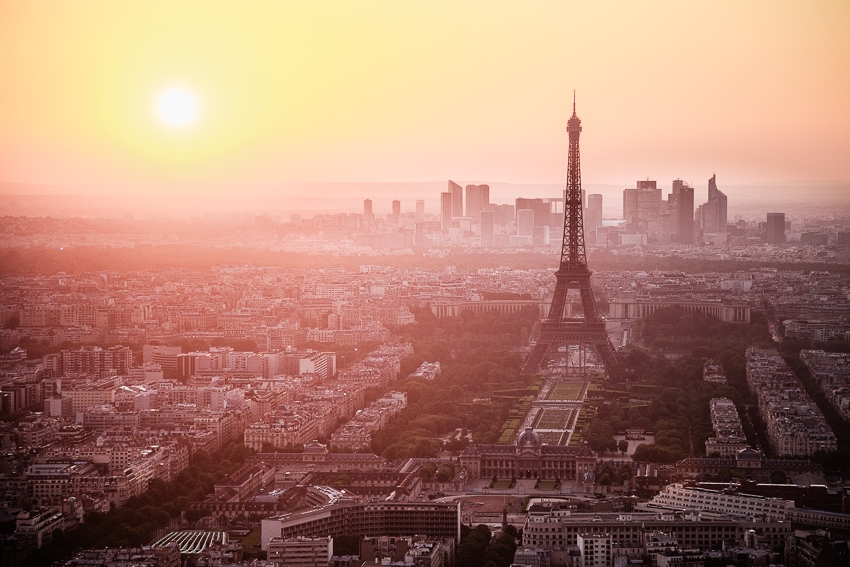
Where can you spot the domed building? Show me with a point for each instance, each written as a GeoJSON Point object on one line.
{"type": "Point", "coordinates": [528, 457]}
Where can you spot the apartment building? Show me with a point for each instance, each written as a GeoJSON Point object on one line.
{"type": "Point", "coordinates": [679, 497]}
{"type": "Point", "coordinates": [795, 425]}
{"type": "Point", "coordinates": [300, 551]}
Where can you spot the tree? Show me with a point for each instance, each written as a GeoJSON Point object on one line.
{"type": "Point", "coordinates": [778, 477]}
{"type": "Point", "coordinates": [427, 471]}
{"type": "Point", "coordinates": [623, 446]}
{"type": "Point", "coordinates": [446, 472]}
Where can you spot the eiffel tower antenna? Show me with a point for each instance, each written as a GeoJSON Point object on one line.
{"type": "Point", "coordinates": [573, 273]}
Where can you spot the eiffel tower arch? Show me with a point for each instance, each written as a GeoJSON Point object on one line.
{"type": "Point", "coordinates": [557, 330]}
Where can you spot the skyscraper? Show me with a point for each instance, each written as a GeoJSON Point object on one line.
{"type": "Point", "coordinates": [542, 210]}
{"type": "Point", "coordinates": [683, 195]}
{"type": "Point", "coordinates": [775, 230]}
{"type": "Point", "coordinates": [593, 219]}
{"type": "Point", "coordinates": [525, 222]}
{"type": "Point", "coordinates": [714, 210]}
{"type": "Point", "coordinates": [446, 211]}
{"type": "Point", "coordinates": [487, 229]}
{"type": "Point", "coordinates": [420, 209]}
{"type": "Point", "coordinates": [367, 207]}
{"type": "Point", "coordinates": [641, 203]}
{"type": "Point", "coordinates": [457, 198]}
{"type": "Point", "coordinates": [477, 197]}
{"type": "Point", "coordinates": [396, 210]}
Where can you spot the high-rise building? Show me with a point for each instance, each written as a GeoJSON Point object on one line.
{"type": "Point", "coordinates": [630, 205]}
{"type": "Point", "coordinates": [446, 211]}
{"type": "Point", "coordinates": [477, 197]}
{"type": "Point", "coordinates": [457, 198]}
{"type": "Point", "coordinates": [714, 210]}
{"type": "Point", "coordinates": [683, 196]}
{"type": "Point", "coordinates": [367, 207]}
{"type": "Point", "coordinates": [420, 209]}
{"type": "Point", "coordinates": [542, 210]}
{"type": "Point", "coordinates": [540, 236]}
{"type": "Point", "coordinates": [487, 229]}
{"type": "Point", "coordinates": [641, 204]}
{"type": "Point", "coordinates": [504, 214]}
{"type": "Point", "coordinates": [775, 233]}
{"type": "Point", "coordinates": [396, 209]}
{"type": "Point", "coordinates": [593, 218]}
{"type": "Point", "coordinates": [525, 222]}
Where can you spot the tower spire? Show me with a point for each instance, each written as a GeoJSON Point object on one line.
{"type": "Point", "coordinates": [574, 102]}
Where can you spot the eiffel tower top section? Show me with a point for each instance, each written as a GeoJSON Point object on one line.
{"type": "Point", "coordinates": [573, 257]}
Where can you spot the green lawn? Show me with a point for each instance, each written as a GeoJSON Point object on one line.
{"type": "Point", "coordinates": [566, 391]}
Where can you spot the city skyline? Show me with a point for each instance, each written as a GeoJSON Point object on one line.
{"type": "Point", "coordinates": [381, 93]}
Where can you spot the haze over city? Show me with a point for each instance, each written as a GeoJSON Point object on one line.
{"type": "Point", "coordinates": [437, 284]}
{"type": "Point", "coordinates": [280, 96]}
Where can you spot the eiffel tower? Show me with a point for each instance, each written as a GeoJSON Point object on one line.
{"type": "Point", "coordinates": [573, 273]}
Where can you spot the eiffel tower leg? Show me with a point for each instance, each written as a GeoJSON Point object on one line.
{"type": "Point", "coordinates": [605, 351]}
{"type": "Point", "coordinates": [559, 298]}
{"type": "Point", "coordinates": [535, 359]}
{"type": "Point", "coordinates": [588, 303]}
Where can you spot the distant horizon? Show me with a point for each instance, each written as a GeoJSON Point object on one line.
{"type": "Point", "coordinates": [823, 197]}
{"type": "Point", "coordinates": [163, 99]}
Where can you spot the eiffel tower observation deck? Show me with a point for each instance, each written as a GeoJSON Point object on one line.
{"type": "Point", "coordinates": [556, 330]}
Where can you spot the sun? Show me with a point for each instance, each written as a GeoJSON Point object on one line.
{"type": "Point", "coordinates": [177, 107]}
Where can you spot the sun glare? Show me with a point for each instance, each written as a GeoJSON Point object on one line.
{"type": "Point", "coordinates": [177, 107]}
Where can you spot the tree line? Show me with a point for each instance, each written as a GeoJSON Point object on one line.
{"type": "Point", "coordinates": [479, 359]}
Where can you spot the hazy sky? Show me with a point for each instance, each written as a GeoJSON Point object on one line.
{"type": "Point", "coordinates": [291, 92]}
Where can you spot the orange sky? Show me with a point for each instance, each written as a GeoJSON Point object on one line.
{"type": "Point", "coordinates": [414, 91]}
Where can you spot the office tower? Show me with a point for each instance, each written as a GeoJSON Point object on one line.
{"type": "Point", "coordinates": [446, 211]}
{"type": "Point", "coordinates": [592, 217]}
{"type": "Point", "coordinates": [525, 222]}
{"type": "Point", "coordinates": [630, 205]}
{"type": "Point", "coordinates": [504, 214]}
{"type": "Point", "coordinates": [420, 209]}
{"type": "Point", "coordinates": [542, 210]}
{"type": "Point", "coordinates": [367, 207]}
{"type": "Point", "coordinates": [457, 198]}
{"type": "Point", "coordinates": [714, 211]}
{"type": "Point", "coordinates": [642, 203]}
{"type": "Point", "coordinates": [683, 195]}
{"type": "Point", "coordinates": [558, 330]}
{"type": "Point", "coordinates": [419, 241]}
{"type": "Point", "coordinates": [396, 209]}
{"type": "Point", "coordinates": [540, 236]}
{"type": "Point", "coordinates": [775, 233]}
{"type": "Point", "coordinates": [487, 229]}
{"type": "Point", "coordinates": [477, 197]}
